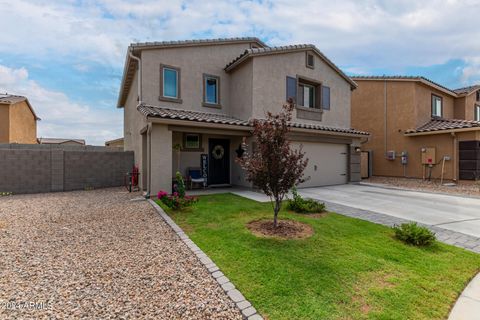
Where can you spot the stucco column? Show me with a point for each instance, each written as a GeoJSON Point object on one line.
{"type": "Point", "coordinates": [161, 159]}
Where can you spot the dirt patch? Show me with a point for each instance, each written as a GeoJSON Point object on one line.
{"type": "Point", "coordinates": [286, 229]}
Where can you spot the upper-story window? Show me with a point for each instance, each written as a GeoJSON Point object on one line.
{"type": "Point", "coordinates": [310, 60]}
{"type": "Point", "coordinates": [478, 95]}
{"type": "Point", "coordinates": [170, 83]}
{"type": "Point", "coordinates": [211, 91]}
{"type": "Point", "coordinates": [306, 97]}
{"type": "Point", "coordinates": [308, 94]}
{"type": "Point", "coordinates": [437, 106]}
{"type": "Point", "coordinates": [477, 113]}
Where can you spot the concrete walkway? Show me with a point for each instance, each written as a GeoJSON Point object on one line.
{"type": "Point", "coordinates": [467, 306]}
{"type": "Point", "coordinates": [455, 213]}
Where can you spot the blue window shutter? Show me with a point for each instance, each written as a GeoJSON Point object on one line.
{"type": "Point", "coordinates": [291, 89]}
{"type": "Point", "coordinates": [325, 98]}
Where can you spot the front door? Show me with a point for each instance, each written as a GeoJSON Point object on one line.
{"type": "Point", "coordinates": [219, 161]}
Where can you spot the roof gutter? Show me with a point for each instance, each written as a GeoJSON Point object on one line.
{"type": "Point", "coordinates": [139, 79]}
{"type": "Point", "coordinates": [426, 133]}
{"type": "Point", "coordinates": [189, 123]}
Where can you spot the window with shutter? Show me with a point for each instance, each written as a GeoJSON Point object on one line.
{"type": "Point", "coordinates": [291, 89]}
{"type": "Point", "coordinates": [325, 98]}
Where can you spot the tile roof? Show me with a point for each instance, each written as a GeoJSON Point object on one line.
{"type": "Point", "coordinates": [467, 90]}
{"type": "Point", "coordinates": [196, 42]}
{"type": "Point", "coordinates": [189, 115]}
{"type": "Point", "coordinates": [440, 124]}
{"type": "Point", "coordinates": [10, 98]}
{"type": "Point", "coordinates": [284, 49]}
{"type": "Point", "coordinates": [413, 78]}
{"type": "Point", "coordinates": [59, 141]}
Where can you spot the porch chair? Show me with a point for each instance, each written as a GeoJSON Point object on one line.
{"type": "Point", "coordinates": [194, 175]}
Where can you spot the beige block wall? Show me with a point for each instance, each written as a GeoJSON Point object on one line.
{"type": "Point", "coordinates": [193, 63]}
{"type": "Point", "coordinates": [269, 86]}
{"type": "Point", "coordinates": [4, 123]}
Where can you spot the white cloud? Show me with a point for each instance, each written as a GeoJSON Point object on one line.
{"type": "Point", "coordinates": [363, 34]}
{"type": "Point", "coordinates": [62, 117]}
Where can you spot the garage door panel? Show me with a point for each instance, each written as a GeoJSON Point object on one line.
{"type": "Point", "coordinates": [327, 164]}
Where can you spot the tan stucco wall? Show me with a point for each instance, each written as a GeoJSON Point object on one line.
{"type": "Point", "coordinates": [408, 106]}
{"type": "Point", "coordinates": [17, 124]}
{"type": "Point", "coordinates": [161, 158]}
{"type": "Point", "coordinates": [193, 63]}
{"type": "Point", "coordinates": [4, 123]}
{"type": "Point", "coordinates": [423, 100]}
{"type": "Point", "coordinates": [269, 86]}
{"type": "Point", "coordinates": [241, 91]}
{"type": "Point", "coordinates": [133, 123]}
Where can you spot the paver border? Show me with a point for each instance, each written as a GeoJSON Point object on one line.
{"type": "Point", "coordinates": [247, 310]}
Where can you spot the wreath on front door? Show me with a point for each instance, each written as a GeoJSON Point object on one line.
{"type": "Point", "coordinates": [218, 152]}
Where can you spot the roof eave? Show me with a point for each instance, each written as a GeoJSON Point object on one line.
{"type": "Point", "coordinates": [435, 132]}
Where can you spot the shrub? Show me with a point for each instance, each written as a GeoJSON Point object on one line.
{"type": "Point", "coordinates": [412, 233]}
{"type": "Point", "coordinates": [5, 194]}
{"type": "Point", "coordinates": [300, 205]}
{"type": "Point", "coordinates": [175, 201]}
{"type": "Point", "coordinates": [180, 185]}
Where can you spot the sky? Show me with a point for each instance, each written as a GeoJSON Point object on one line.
{"type": "Point", "coordinates": [67, 56]}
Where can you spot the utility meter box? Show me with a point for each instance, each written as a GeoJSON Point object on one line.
{"type": "Point", "coordinates": [390, 155]}
{"type": "Point", "coordinates": [404, 158]}
{"type": "Point", "coordinates": [428, 156]}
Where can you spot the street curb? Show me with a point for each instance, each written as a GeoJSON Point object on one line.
{"type": "Point", "coordinates": [247, 310]}
{"type": "Point", "coordinates": [467, 306]}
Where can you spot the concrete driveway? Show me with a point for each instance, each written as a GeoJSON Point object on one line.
{"type": "Point", "coordinates": [460, 214]}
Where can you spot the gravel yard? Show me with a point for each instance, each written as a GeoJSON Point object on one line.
{"type": "Point", "coordinates": [468, 188]}
{"type": "Point", "coordinates": [96, 254]}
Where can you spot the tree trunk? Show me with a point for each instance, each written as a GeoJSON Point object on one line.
{"type": "Point", "coordinates": [275, 213]}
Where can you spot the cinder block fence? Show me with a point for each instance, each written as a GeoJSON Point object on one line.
{"type": "Point", "coordinates": [48, 168]}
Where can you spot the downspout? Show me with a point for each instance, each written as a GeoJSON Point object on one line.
{"type": "Point", "coordinates": [455, 165]}
{"type": "Point", "coordinates": [385, 115]}
{"type": "Point", "coordinates": [149, 159]}
{"type": "Point", "coordinates": [139, 79]}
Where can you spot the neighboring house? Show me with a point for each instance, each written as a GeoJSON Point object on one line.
{"type": "Point", "coordinates": [433, 126]}
{"type": "Point", "coordinates": [18, 121]}
{"type": "Point", "coordinates": [117, 143]}
{"type": "Point", "coordinates": [71, 142]}
{"type": "Point", "coordinates": [185, 101]}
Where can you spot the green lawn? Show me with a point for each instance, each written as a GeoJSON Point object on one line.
{"type": "Point", "coordinates": [349, 269]}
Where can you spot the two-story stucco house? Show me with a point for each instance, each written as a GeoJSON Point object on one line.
{"type": "Point", "coordinates": [188, 104]}
{"type": "Point", "coordinates": [18, 121]}
{"type": "Point", "coordinates": [418, 128]}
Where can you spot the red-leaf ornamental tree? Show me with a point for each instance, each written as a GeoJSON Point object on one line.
{"type": "Point", "coordinates": [274, 166]}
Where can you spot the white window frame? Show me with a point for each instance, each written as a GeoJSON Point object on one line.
{"type": "Point", "coordinates": [477, 113]}
{"type": "Point", "coordinates": [435, 107]}
{"type": "Point", "coordinates": [307, 95]}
